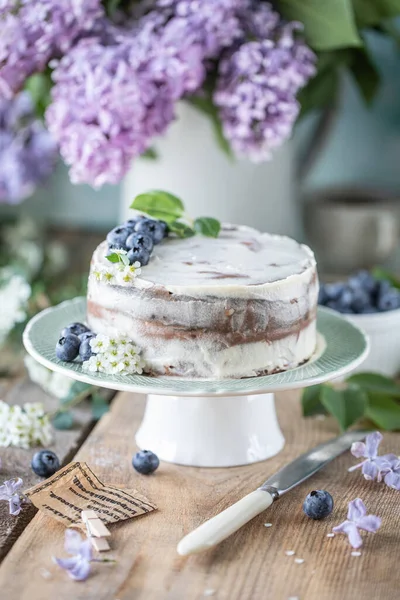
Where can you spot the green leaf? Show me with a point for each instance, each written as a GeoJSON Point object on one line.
{"type": "Point", "coordinates": [39, 86]}
{"type": "Point", "coordinates": [383, 411]}
{"type": "Point", "coordinates": [150, 154]}
{"type": "Point", "coordinates": [328, 24]}
{"type": "Point", "coordinates": [113, 258]}
{"type": "Point", "coordinates": [311, 401]}
{"type": "Point", "coordinates": [365, 74]}
{"type": "Point", "coordinates": [386, 275]}
{"type": "Point", "coordinates": [207, 226]}
{"type": "Point", "coordinates": [63, 420]}
{"type": "Point", "coordinates": [100, 406]}
{"type": "Point", "coordinates": [206, 106]}
{"type": "Point", "coordinates": [160, 205]}
{"type": "Point", "coordinates": [181, 229]}
{"type": "Point", "coordinates": [321, 91]}
{"type": "Point", "coordinates": [372, 12]}
{"type": "Point", "coordinates": [373, 382]}
{"type": "Point", "coordinates": [347, 406]}
{"type": "Point", "coordinates": [77, 388]}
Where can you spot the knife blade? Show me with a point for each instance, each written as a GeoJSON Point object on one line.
{"type": "Point", "coordinates": [218, 528]}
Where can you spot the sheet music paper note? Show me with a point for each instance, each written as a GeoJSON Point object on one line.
{"type": "Point", "coordinates": [75, 488]}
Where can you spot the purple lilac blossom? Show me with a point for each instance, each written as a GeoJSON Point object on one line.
{"type": "Point", "coordinates": [28, 153]}
{"type": "Point", "coordinates": [78, 566]}
{"type": "Point", "coordinates": [113, 95]}
{"type": "Point", "coordinates": [105, 110]}
{"type": "Point", "coordinates": [9, 492]}
{"type": "Point", "coordinates": [357, 518]}
{"type": "Point", "coordinates": [213, 24]}
{"type": "Point", "coordinates": [37, 31]}
{"type": "Point", "coordinates": [257, 85]}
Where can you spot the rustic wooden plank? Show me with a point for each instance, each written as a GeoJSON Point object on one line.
{"type": "Point", "coordinates": [16, 461]}
{"type": "Point", "coordinates": [251, 564]}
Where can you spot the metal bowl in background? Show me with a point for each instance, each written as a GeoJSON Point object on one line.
{"type": "Point", "coordinates": [351, 228]}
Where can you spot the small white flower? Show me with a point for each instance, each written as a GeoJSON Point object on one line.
{"type": "Point", "coordinates": [90, 365]}
{"type": "Point", "coordinates": [34, 410]}
{"type": "Point", "coordinates": [97, 274]}
{"type": "Point", "coordinates": [134, 269]}
{"type": "Point", "coordinates": [98, 363]}
{"type": "Point", "coordinates": [125, 277]}
{"type": "Point", "coordinates": [109, 276]}
{"type": "Point", "coordinates": [100, 343]}
{"type": "Point", "coordinates": [116, 367]}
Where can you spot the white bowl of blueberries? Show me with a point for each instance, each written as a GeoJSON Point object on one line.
{"type": "Point", "coordinates": [373, 305]}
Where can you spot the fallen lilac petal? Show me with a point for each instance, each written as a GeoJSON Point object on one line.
{"type": "Point", "coordinates": [370, 470]}
{"type": "Point", "coordinates": [369, 523]}
{"type": "Point", "coordinates": [357, 509]}
{"type": "Point", "coordinates": [372, 442]}
{"type": "Point", "coordinates": [349, 529]}
{"type": "Point", "coordinates": [392, 480]}
{"type": "Point", "coordinates": [8, 492]}
{"type": "Point", "coordinates": [357, 518]}
{"type": "Point", "coordinates": [358, 449]}
{"type": "Point", "coordinates": [77, 567]}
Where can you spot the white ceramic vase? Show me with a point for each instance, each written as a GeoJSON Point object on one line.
{"type": "Point", "coordinates": [191, 165]}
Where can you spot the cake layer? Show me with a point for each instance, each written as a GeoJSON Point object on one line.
{"type": "Point", "coordinates": [235, 306]}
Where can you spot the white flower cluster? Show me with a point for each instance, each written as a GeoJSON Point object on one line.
{"type": "Point", "coordinates": [55, 384]}
{"type": "Point", "coordinates": [24, 426]}
{"type": "Point", "coordinates": [14, 294]}
{"type": "Point", "coordinates": [115, 356]}
{"type": "Point", "coordinates": [118, 272]}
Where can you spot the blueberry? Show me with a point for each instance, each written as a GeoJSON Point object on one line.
{"type": "Point", "coordinates": [130, 223]}
{"type": "Point", "coordinates": [85, 350]}
{"type": "Point", "coordinates": [345, 298]}
{"type": "Point", "coordinates": [116, 238]}
{"type": "Point", "coordinates": [67, 347]}
{"type": "Point", "coordinates": [145, 462]}
{"type": "Point", "coordinates": [333, 290]}
{"type": "Point", "coordinates": [45, 463]}
{"type": "Point", "coordinates": [75, 328]}
{"type": "Point", "coordinates": [363, 279]}
{"type": "Point", "coordinates": [86, 335]}
{"type": "Point", "coordinates": [140, 254]}
{"type": "Point", "coordinates": [153, 228]}
{"type": "Point", "coordinates": [318, 504]}
{"type": "Point", "coordinates": [165, 228]}
{"type": "Point", "coordinates": [139, 240]}
{"type": "Point", "coordinates": [388, 301]}
{"type": "Point", "coordinates": [361, 300]}
{"type": "Point", "coordinates": [334, 305]}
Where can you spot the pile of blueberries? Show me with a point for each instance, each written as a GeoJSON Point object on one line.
{"type": "Point", "coordinates": [75, 341]}
{"type": "Point", "coordinates": [360, 294]}
{"type": "Point", "coordinates": [138, 237]}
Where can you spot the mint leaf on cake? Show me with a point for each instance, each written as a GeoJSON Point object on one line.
{"type": "Point", "coordinates": [207, 226]}
{"type": "Point", "coordinates": [159, 204]}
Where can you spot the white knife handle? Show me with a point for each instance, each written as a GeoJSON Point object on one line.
{"type": "Point", "coordinates": [221, 526]}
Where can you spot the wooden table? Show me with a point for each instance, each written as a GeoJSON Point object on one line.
{"type": "Point", "coordinates": [251, 565]}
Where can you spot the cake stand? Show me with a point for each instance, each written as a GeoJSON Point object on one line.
{"type": "Point", "coordinates": [197, 422]}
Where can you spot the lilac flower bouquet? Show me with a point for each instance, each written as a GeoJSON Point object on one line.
{"type": "Point", "coordinates": [109, 73]}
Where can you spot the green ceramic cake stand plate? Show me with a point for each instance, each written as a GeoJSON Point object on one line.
{"type": "Point", "coordinates": [198, 422]}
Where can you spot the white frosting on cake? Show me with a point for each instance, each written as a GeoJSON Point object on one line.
{"type": "Point", "coordinates": [241, 262]}
{"type": "Point", "coordinates": [235, 306]}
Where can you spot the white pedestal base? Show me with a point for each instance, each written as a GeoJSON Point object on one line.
{"type": "Point", "coordinates": [211, 431]}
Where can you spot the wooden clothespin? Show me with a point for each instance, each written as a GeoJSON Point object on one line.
{"type": "Point", "coordinates": [96, 530]}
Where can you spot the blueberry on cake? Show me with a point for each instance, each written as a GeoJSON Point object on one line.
{"type": "Point", "coordinates": [238, 305]}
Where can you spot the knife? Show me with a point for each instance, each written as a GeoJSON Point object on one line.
{"type": "Point", "coordinates": [221, 526]}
